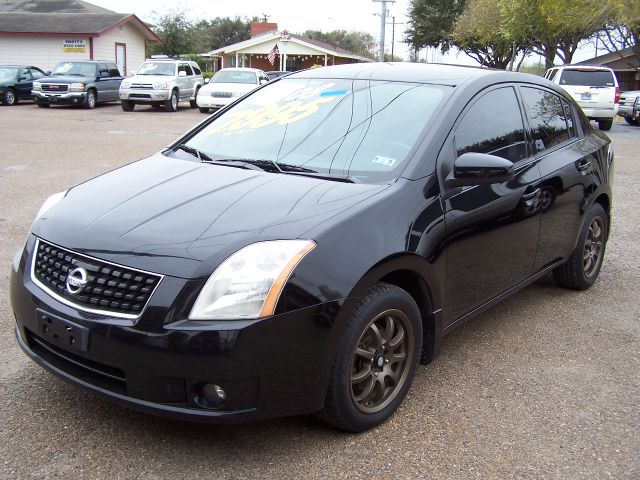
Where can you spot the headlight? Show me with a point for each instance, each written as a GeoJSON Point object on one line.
{"type": "Point", "coordinates": [76, 87]}
{"type": "Point", "coordinates": [125, 84]}
{"type": "Point", "coordinates": [36, 86]}
{"type": "Point", "coordinates": [50, 202]}
{"type": "Point", "coordinates": [160, 85]}
{"type": "Point", "coordinates": [237, 94]}
{"type": "Point", "coordinates": [249, 282]}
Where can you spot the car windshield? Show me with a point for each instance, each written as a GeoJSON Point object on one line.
{"type": "Point", "coordinates": [229, 76]}
{"type": "Point", "coordinates": [157, 68]}
{"type": "Point", "coordinates": [75, 68]}
{"type": "Point", "coordinates": [591, 78]}
{"type": "Point", "coordinates": [357, 129]}
{"type": "Point", "coordinates": [7, 73]}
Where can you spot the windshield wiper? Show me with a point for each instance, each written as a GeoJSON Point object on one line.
{"type": "Point", "coordinates": [195, 152]}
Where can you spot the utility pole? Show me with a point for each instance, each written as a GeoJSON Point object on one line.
{"type": "Point", "coordinates": [383, 23]}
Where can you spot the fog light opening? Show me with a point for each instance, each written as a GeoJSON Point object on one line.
{"type": "Point", "coordinates": [210, 395]}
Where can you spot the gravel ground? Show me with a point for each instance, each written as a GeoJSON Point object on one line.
{"type": "Point", "coordinates": [545, 385]}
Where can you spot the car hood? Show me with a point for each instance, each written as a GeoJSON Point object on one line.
{"type": "Point", "coordinates": [66, 79]}
{"type": "Point", "coordinates": [183, 218]}
{"type": "Point", "coordinates": [229, 87]}
{"type": "Point", "coordinates": [149, 78]}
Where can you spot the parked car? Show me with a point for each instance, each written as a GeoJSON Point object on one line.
{"type": "Point", "coordinates": [162, 82]}
{"type": "Point", "coordinates": [627, 102]}
{"type": "Point", "coordinates": [276, 73]}
{"type": "Point", "coordinates": [594, 88]}
{"type": "Point", "coordinates": [85, 83]}
{"type": "Point", "coordinates": [16, 82]}
{"type": "Point", "coordinates": [303, 250]}
{"type": "Point", "coordinates": [227, 85]}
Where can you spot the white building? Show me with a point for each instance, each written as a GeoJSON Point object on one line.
{"type": "Point", "coordinates": [46, 32]}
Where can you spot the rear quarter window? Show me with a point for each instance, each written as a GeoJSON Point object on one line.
{"type": "Point", "coordinates": [591, 78]}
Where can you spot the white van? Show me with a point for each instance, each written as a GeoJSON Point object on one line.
{"type": "Point", "coordinates": [594, 88]}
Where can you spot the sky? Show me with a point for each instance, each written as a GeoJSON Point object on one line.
{"type": "Point", "coordinates": [298, 16]}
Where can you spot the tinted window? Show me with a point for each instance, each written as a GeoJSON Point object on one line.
{"type": "Point", "coordinates": [552, 74]}
{"type": "Point", "coordinates": [113, 70]}
{"type": "Point", "coordinates": [359, 128]}
{"type": "Point", "coordinates": [36, 73]}
{"type": "Point", "coordinates": [571, 124]}
{"type": "Point", "coordinates": [183, 67]}
{"type": "Point", "coordinates": [592, 78]}
{"type": "Point", "coordinates": [197, 70]}
{"type": "Point", "coordinates": [104, 69]}
{"type": "Point", "coordinates": [493, 125]}
{"type": "Point", "coordinates": [547, 117]}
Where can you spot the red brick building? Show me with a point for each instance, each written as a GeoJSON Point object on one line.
{"type": "Point", "coordinates": [295, 52]}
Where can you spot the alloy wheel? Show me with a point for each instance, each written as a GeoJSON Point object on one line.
{"type": "Point", "coordinates": [379, 366]}
{"type": "Point", "coordinates": [593, 247]}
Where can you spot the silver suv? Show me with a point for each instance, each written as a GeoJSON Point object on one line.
{"type": "Point", "coordinates": [162, 82]}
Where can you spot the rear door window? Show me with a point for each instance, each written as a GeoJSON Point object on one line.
{"type": "Point", "coordinates": [591, 78]}
{"type": "Point", "coordinates": [197, 70]}
{"type": "Point", "coordinates": [113, 70]}
{"type": "Point", "coordinates": [547, 117]}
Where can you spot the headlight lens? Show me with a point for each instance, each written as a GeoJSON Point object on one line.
{"type": "Point", "coordinates": [249, 282]}
{"type": "Point", "coordinates": [50, 202]}
{"type": "Point", "coordinates": [76, 87]}
{"type": "Point", "coordinates": [160, 85]}
{"type": "Point", "coordinates": [36, 86]}
{"type": "Point", "coordinates": [126, 84]}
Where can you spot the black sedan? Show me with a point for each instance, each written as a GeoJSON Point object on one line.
{"type": "Point", "coordinates": [16, 82]}
{"type": "Point", "coordinates": [304, 249]}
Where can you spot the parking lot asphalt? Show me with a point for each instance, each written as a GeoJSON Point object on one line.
{"type": "Point", "coordinates": [544, 385]}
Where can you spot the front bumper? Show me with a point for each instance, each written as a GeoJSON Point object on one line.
{"type": "Point", "coordinates": [207, 101]}
{"type": "Point", "coordinates": [66, 98]}
{"type": "Point", "coordinates": [140, 95]}
{"type": "Point", "coordinates": [274, 367]}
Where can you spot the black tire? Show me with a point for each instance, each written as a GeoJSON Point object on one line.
{"type": "Point", "coordinates": [193, 102]}
{"type": "Point", "coordinates": [171, 105]}
{"type": "Point", "coordinates": [42, 104]}
{"type": "Point", "coordinates": [9, 97]}
{"type": "Point", "coordinates": [128, 105]}
{"type": "Point", "coordinates": [91, 100]}
{"type": "Point", "coordinates": [203, 109]}
{"type": "Point", "coordinates": [577, 273]}
{"type": "Point", "coordinates": [356, 375]}
{"type": "Point", "coordinates": [631, 121]}
{"type": "Point", "coordinates": [155, 106]}
{"type": "Point", "coordinates": [605, 124]}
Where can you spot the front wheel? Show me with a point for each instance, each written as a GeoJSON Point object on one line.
{"type": "Point", "coordinates": [375, 360]}
{"type": "Point", "coordinates": [203, 109]}
{"type": "Point", "coordinates": [583, 266]}
{"type": "Point", "coordinates": [42, 104]}
{"type": "Point", "coordinates": [605, 124]}
{"type": "Point", "coordinates": [9, 97]}
{"type": "Point", "coordinates": [631, 121]}
{"type": "Point", "coordinates": [91, 100]}
{"type": "Point", "coordinates": [128, 105]}
{"type": "Point", "coordinates": [171, 105]}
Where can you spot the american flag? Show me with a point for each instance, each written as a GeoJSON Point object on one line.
{"type": "Point", "coordinates": [272, 54]}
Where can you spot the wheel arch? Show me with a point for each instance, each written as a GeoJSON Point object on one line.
{"type": "Point", "coordinates": [604, 200]}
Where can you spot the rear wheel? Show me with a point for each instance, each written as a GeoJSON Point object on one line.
{"type": "Point", "coordinates": [171, 105]}
{"type": "Point", "coordinates": [193, 103]}
{"type": "Point", "coordinates": [91, 100]}
{"type": "Point", "coordinates": [128, 105]}
{"type": "Point", "coordinates": [631, 121]}
{"type": "Point", "coordinates": [9, 97]}
{"type": "Point", "coordinates": [375, 360]}
{"type": "Point", "coordinates": [605, 124]}
{"type": "Point", "coordinates": [203, 109]}
{"type": "Point", "coordinates": [583, 266]}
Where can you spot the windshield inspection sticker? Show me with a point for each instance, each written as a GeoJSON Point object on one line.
{"type": "Point", "coordinates": [386, 161]}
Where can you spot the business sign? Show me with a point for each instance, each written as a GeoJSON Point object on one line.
{"type": "Point", "coordinates": [74, 46]}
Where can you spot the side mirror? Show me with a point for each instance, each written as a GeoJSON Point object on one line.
{"type": "Point", "coordinates": [207, 80]}
{"type": "Point", "coordinates": [263, 81]}
{"type": "Point", "coordinates": [479, 168]}
{"type": "Point", "coordinates": [182, 73]}
{"type": "Point", "coordinates": [22, 78]}
{"type": "Point", "coordinates": [132, 73]}
{"type": "Point", "coordinates": [47, 73]}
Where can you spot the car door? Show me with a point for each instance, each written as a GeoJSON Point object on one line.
{"type": "Point", "coordinates": [24, 81]}
{"type": "Point", "coordinates": [103, 83]}
{"type": "Point", "coordinates": [491, 229]}
{"type": "Point", "coordinates": [116, 80]}
{"type": "Point", "coordinates": [185, 81]}
{"type": "Point", "coordinates": [565, 167]}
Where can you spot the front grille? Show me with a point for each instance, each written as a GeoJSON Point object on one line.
{"type": "Point", "coordinates": [139, 95]}
{"type": "Point", "coordinates": [55, 87]}
{"type": "Point", "coordinates": [148, 86]}
{"type": "Point", "coordinates": [110, 289]}
{"type": "Point", "coordinates": [222, 94]}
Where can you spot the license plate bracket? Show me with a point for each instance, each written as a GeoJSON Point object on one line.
{"type": "Point", "coordinates": [61, 332]}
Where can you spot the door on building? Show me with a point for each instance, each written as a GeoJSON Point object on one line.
{"type": "Point", "coordinates": [121, 57]}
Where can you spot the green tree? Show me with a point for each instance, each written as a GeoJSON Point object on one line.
{"type": "Point", "coordinates": [221, 31]}
{"type": "Point", "coordinates": [623, 30]}
{"type": "Point", "coordinates": [361, 43]}
{"type": "Point", "coordinates": [175, 31]}
{"type": "Point", "coordinates": [431, 23]}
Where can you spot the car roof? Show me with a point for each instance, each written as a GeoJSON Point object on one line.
{"type": "Point", "coordinates": [583, 67]}
{"type": "Point", "coordinates": [433, 73]}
